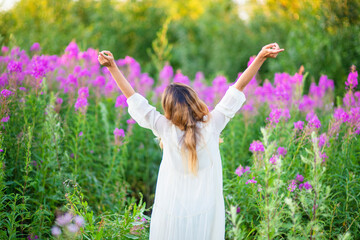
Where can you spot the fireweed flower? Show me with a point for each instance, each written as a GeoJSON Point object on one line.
{"type": "Point", "coordinates": [166, 73]}
{"type": "Point", "coordinates": [240, 170]}
{"type": "Point", "coordinates": [6, 93]}
{"type": "Point", "coordinates": [5, 119]}
{"type": "Point", "coordinates": [14, 66]}
{"type": "Point", "coordinates": [313, 120]}
{"type": "Point", "coordinates": [276, 114]}
{"type": "Point", "coordinates": [322, 140]}
{"type": "Point", "coordinates": [83, 92]}
{"type": "Point", "coordinates": [299, 125]}
{"type": "Point", "coordinates": [80, 134]}
{"type": "Point", "coordinates": [130, 121]}
{"type": "Point", "coordinates": [39, 67]}
{"type": "Point", "coordinates": [352, 80]}
{"type": "Point", "coordinates": [59, 101]}
{"type": "Point", "coordinates": [4, 49]}
{"type": "Point", "coordinates": [81, 103]}
{"type": "Point", "coordinates": [121, 101]}
{"type": "Point", "coordinates": [180, 78]}
{"type": "Point", "coordinates": [299, 178]}
{"type": "Point", "coordinates": [341, 115]}
{"type": "Point", "coordinates": [256, 146]}
{"type": "Point", "coordinates": [282, 151]}
{"type": "Point", "coordinates": [323, 156]}
{"type": "Point", "coordinates": [274, 159]}
{"type": "Point", "coordinates": [292, 186]}
{"type": "Point", "coordinates": [251, 181]}
{"type": "Point", "coordinates": [307, 185]}
{"type": "Point", "coordinates": [35, 47]}
{"type": "Point", "coordinates": [119, 132]}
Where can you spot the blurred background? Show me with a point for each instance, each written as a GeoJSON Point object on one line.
{"type": "Point", "coordinates": [213, 36]}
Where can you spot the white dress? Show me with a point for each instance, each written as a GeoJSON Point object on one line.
{"type": "Point", "coordinates": [188, 207]}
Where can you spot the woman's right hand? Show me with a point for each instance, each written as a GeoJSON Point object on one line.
{"type": "Point", "coordinates": [270, 51]}
{"type": "Point", "coordinates": [106, 60]}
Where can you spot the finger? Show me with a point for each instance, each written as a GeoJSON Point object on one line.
{"type": "Point", "coordinates": [277, 46]}
{"type": "Point", "coordinates": [269, 45]}
{"type": "Point", "coordinates": [104, 56]}
{"type": "Point", "coordinates": [108, 52]}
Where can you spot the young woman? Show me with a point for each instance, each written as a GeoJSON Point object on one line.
{"type": "Point", "coordinates": [189, 200]}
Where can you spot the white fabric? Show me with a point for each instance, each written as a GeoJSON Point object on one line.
{"type": "Point", "coordinates": [188, 207]}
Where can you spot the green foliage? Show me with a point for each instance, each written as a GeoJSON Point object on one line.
{"type": "Point", "coordinates": [323, 36]}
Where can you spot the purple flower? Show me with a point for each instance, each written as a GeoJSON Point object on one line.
{"type": "Point", "coordinates": [55, 231]}
{"type": "Point", "coordinates": [14, 66]}
{"type": "Point", "coordinates": [299, 125]}
{"type": "Point", "coordinates": [352, 80]}
{"type": "Point", "coordinates": [59, 100]}
{"type": "Point", "coordinates": [99, 81]}
{"type": "Point", "coordinates": [72, 228]}
{"type": "Point", "coordinates": [119, 132]}
{"type": "Point", "coordinates": [273, 159]}
{"type": "Point", "coordinates": [340, 114]}
{"type": "Point", "coordinates": [5, 119]}
{"type": "Point", "coordinates": [64, 219]}
{"type": "Point", "coordinates": [240, 170]}
{"type": "Point", "coordinates": [4, 49]}
{"type": "Point", "coordinates": [130, 121]}
{"type": "Point", "coordinates": [323, 156]}
{"type": "Point", "coordinates": [72, 49]}
{"type": "Point", "coordinates": [121, 101]}
{"type": "Point", "coordinates": [6, 93]}
{"type": "Point", "coordinates": [292, 186]}
{"type": "Point", "coordinates": [22, 89]}
{"type": "Point", "coordinates": [322, 140]}
{"type": "Point", "coordinates": [299, 178]}
{"type": "Point", "coordinates": [238, 209]}
{"type": "Point", "coordinates": [166, 73]}
{"type": "Point", "coordinates": [307, 185]}
{"type": "Point", "coordinates": [80, 103]}
{"type": "Point", "coordinates": [80, 134]}
{"type": "Point", "coordinates": [282, 151]}
{"type": "Point", "coordinates": [179, 77]}
{"type": "Point", "coordinates": [79, 221]}
{"type": "Point", "coordinates": [313, 120]}
{"type": "Point", "coordinates": [39, 67]}
{"type": "Point", "coordinates": [1, 150]}
{"type": "Point", "coordinates": [83, 92]}
{"type": "Point", "coordinates": [251, 181]}
{"type": "Point", "coordinates": [256, 146]}
{"type": "Point", "coordinates": [35, 47]}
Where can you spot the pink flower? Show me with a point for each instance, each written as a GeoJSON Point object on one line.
{"type": "Point", "coordinates": [6, 93]}
{"type": "Point", "coordinates": [256, 146]}
{"type": "Point", "coordinates": [352, 80]}
{"type": "Point", "coordinates": [56, 231]}
{"type": "Point", "coordinates": [292, 186]}
{"type": "Point", "coordinates": [83, 92]}
{"type": "Point", "coordinates": [273, 159]}
{"type": "Point", "coordinates": [80, 134]}
{"type": "Point", "coordinates": [35, 47]}
{"type": "Point", "coordinates": [299, 125]}
{"type": "Point", "coordinates": [5, 119]}
{"type": "Point", "coordinates": [240, 170]}
{"type": "Point", "coordinates": [119, 132]}
{"type": "Point", "coordinates": [299, 178]}
{"type": "Point", "coordinates": [282, 151]}
{"type": "Point", "coordinates": [251, 181]}
{"type": "Point", "coordinates": [121, 101]}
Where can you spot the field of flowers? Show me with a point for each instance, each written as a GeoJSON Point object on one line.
{"type": "Point", "coordinates": [74, 165]}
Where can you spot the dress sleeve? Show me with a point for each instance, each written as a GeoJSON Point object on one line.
{"type": "Point", "coordinates": [146, 115]}
{"type": "Point", "coordinates": [227, 107]}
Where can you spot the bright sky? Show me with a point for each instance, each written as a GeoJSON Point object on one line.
{"type": "Point", "coordinates": [7, 4]}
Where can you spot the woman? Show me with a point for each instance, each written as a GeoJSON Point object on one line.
{"type": "Point", "coordinates": [189, 200]}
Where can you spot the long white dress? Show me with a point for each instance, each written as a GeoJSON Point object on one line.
{"type": "Point", "coordinates": [188, 207]}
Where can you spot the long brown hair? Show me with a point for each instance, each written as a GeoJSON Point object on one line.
{"type": "Point", "coordinates": [183, 108]}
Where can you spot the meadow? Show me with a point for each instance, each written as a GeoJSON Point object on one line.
{"type": "Point", "coordinates": [74, 165]}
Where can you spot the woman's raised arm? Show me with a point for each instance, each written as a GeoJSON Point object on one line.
{"type": "Point", "coordinates": [268, 51]}
{"type": "Point", "coordinates": [109, 62]}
